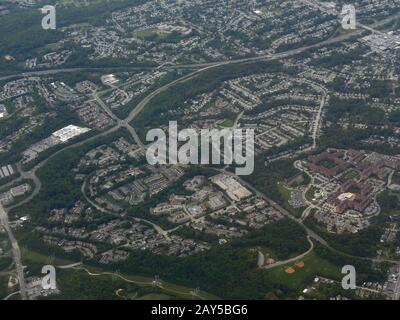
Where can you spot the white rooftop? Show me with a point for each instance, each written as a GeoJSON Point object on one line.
{"type": "Point", "coordinates": [69, 132]}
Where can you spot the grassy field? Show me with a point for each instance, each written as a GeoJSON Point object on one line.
{"type": "Point", "coordinates": [147, 33]}
{"type": "Point", "coordinates": [313, 266]}
{"type": "Point", "coordinates": [285, 192]}
{"type": "Point", "coordinates": [311, 193]}
{"type": "Point", "coordinates": [352, 174]}
{"type": "Point", "coordinates": [36, 257]}
{"type": "Point", "coordinates": [396, 178]}
{"type": "Point", "coordinates": [228, 123]}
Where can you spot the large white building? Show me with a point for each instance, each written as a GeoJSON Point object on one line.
{"type": "Point", "coordinates": [69, 132]}
{"type": "Point", "coordinates": [231, 186]}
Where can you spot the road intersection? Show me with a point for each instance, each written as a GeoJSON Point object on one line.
{"type": "Point", "coordinates": [126, 123]}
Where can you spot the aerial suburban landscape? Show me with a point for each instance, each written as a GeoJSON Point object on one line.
{"type": "Point", "coordinates": [88, 212]}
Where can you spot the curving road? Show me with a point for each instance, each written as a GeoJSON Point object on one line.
{"type": "Point", "coordinates": [281, 55]}
{"type": "Point", "coordinates": [16, 252]}
{"type": "Point", "coordinates": [156, 227]}
{"type": "Point", "coordinates": [292, 260]}
{"type": "Point", "coordinates": [310, 233]}
{"type": "Point", "coordinates": [31, 174]}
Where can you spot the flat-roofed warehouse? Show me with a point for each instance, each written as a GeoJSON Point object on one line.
{"type": "Point", "coordinates": [69, 132]}
{"type": "Point", "coordinates": [231, 186]}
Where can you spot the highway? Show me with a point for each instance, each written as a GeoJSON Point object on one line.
{"type": "Point", "coordinates": [281, 55]}
{"type": "Point", "coordinates": [15, 251]}
{"type": "Point", "coordinates": [39, 73]}
{"type": "Point", "coordinates": [126, 123]}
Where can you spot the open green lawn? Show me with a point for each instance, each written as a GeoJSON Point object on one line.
{"type": "Point", "coordinates": [285, 192]}
{"type": "Point", "coordinates": [352, 174]}
{"type": "Point", "coordinates": [313, 266]}
{"type": "Point", "coordinates": [147, 33]}
{"type": "Point", "coordinates": [228, 123]}
{"type": "Point", "coordinates": [37, 257]}
{"type": "Point", "coordinates": [396, 178]}
{"type": "Point", "coordinates": [310, 194]}
{"type": "Point", "coordinates": [327, 164]}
